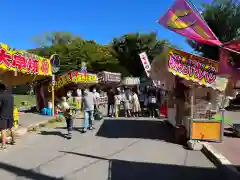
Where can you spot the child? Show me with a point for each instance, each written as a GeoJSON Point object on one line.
{"type": "Point", "coordinates": [67, 113]}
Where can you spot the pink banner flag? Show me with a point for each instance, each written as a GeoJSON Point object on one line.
{"type": "Point", "coordinates": [185, 20]}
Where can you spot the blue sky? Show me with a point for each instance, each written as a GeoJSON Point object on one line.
{"type": "Point", "coordinates": [97, 20]}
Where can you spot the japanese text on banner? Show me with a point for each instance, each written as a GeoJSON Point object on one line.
{"type": "Point", "coordinates": [195, 68]}
{"type": "Point", "coordinates": [147, 65]}
{"type": "Point", "coordinates": [16, 60]}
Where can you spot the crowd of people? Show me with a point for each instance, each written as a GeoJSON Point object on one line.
{"type": "Point", "coordinates": [121, 101]}
{"type": "Point", "coordinates": [134, 103]}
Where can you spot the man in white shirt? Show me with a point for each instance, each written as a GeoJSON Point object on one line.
{"type": "Point", "coordinates": [96, 97]}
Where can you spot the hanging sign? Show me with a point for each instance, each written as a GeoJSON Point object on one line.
{"type": "Point", "coordinates": [146, 63]}
{"type": "Point", "coordinates": [147, 66]}
{"type": "Point", "coordinates": [21, 61]}
{"type": "Point", "coordinates": [198, 69]}
{"type": "Point", "coordinates": [110, 77]}
{"type": "Point", "coordinates": [78, 77]}
{"type": "Point", "coordinates": [60, 82]}
{"type": "Point", "coordinates": [73, 77]}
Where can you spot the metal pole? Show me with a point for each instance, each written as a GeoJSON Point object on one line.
{"type": "Point", "coordinates": [192, 110]}
{"type": "Point", "coordinates": [53, 104]}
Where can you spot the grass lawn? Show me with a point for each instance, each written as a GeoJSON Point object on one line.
{"type": "Point", "coordinates": [18, 99]}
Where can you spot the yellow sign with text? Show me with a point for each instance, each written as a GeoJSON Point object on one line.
{"type": "Point", "coordinates": [69, 78]}
{"type": "Point", "coordinates": [88, 78]}
{"type": "Point", "coordinates": [22, 61]}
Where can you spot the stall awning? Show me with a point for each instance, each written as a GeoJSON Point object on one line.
{"type": "Point", "coordinates": [109, 77]}
{"type": "Point", "coordinates": [74, 78]}
{"type": "Point", "coordinates": [18, 67]}
{"type": "Point", "coordinates": [129, 81]}
{"type": "Point", "coordinates": [191, 67]}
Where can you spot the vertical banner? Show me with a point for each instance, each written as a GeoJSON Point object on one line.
{"type": "Point", "coordinates": [146, 63]}
{"type": "Point", "coordinates": [147, 66]}
{"type": "Point", "coordinates": [181, 18]}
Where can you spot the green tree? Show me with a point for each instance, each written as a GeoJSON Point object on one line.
{"type": "Point", "coordinates": [74, 50]}
{"type": "Point", "coordinates": [53, 38]}
{"type": "Point", "coordinates": [223, 17]}
{"type": "Point", "coordinates": [127, 49]}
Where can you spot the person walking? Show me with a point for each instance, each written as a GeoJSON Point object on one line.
{"type": "Point", "coordinates": [64, 106]}
{"type": "Point", "coordinates": [127, 100]}
{"type": "Point", "coordinates": [117, 103]}
{"type": "Point", "coordinates": [96, 98]}
{"type": "Point", "coordinates": [6, 115]}
{"type": "Point", "coordinates": [152, 103]}
{"type": "Point", "coordinates": [136, 109]}
{"type": "Point", "coordinates": [88, 104]}
{"type": "Point", "coordinates": [110, 95]}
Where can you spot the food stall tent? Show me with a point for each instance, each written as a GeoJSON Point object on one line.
{"type": "Point", "coordinates": [20, 67]}
{"type": "Point", "coordinates": [202, 91]}
{"type": "Point", "coordinates": [64, 83]}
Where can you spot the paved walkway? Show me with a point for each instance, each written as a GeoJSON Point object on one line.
{"type": "Point", "coordinates": [229, 148]}
{"type": "Point", "coordinates": [28, 119]}
{"type": "Point", "coordinates": [117, 150]}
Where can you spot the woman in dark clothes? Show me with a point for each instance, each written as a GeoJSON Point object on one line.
{"type": "Point", "coordinates": [6, 114]}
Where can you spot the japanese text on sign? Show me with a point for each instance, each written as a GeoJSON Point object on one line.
{"type": "Point", "coordinates": [61, 82]}
{"type": "Point", "coordinates": [146, 63]}
{"type": "Point", "coordinates": [17, 60]}
{"type": "Point", "coordinates": [191, 69]}
{"type": "Point", "coordinates": [85, 78]}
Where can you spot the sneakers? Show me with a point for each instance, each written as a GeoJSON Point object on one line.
{"type": "Point", "coordinates": [13, 143]}
{"type": "Point", "coordinates": [69, 135]}
{"type": "Point", "coordinates": [90, 128]}
{"type": "Point", "coordinates": [3, 147]}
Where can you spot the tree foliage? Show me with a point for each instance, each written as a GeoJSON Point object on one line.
{"type": "Point", "coordinates": [122, 55]}
{"type": "Point", "coordinates": [223, 17]}
{"type": "Point", "coordinates": [128, 47]}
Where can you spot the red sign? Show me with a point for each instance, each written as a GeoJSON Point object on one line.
{"type": "Point", "coordinates": [21, 62]}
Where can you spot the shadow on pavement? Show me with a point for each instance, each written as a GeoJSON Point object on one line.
{"type": "Point", "coordinates": [53, 133]}
{"type": "Point", "coordinates": [25, 173]}
{"type": "Point", "coordinates": [143, 129]}
{"type": "Point", "coordinates": [128, 170]}
{"type": "Point", "coordinates": [78, 129]}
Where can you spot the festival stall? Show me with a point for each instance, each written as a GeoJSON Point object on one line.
{"type": "Point", "coordinates": [130, 81]}
{"type": "Point", "coordinates": [107, 80]}
{"type": "Point", "coordinates": [63, 84]}
{"type": "Point", "coordinates": [20, 67]}
{"type": "Point", "coordinates": [200, 110]}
